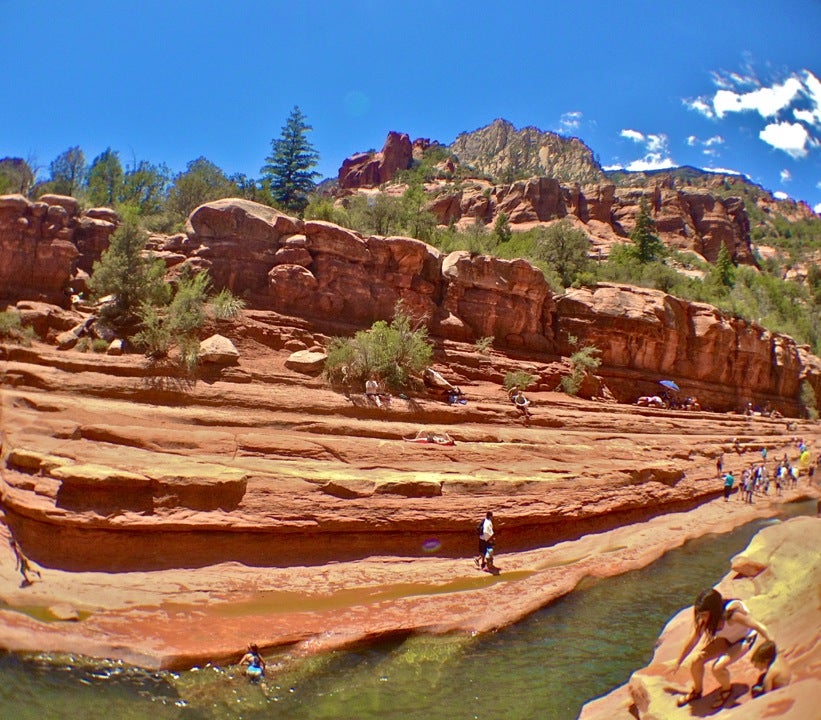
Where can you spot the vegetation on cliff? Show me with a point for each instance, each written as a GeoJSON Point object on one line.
{"type": "Point", "coordinates": [784, 295]}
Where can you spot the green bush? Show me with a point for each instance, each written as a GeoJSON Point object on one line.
{"type": "Point", "coordinates": [518, 379]}
{"type": "Point", "coordinates": [176, 324]}
{"type": "Point", "coordinates": [582, 362]}
{"type": "Point", "coordinates": [394, 352]}
{"type": "Point", "coordinates": [13, 330]}
{"type": "Point", "coordinates": [126, 274]}
{"type": "Point", "coordinates": [483, 344]}
{"type": "Point", "coordinates": [225, 305]}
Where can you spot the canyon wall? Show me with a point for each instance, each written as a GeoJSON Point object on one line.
{"type": "Point", "coordinates": [340, 280]}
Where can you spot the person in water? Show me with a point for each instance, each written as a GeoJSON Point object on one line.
{"type": "Point", "coordinates": [255, 663]}
{"type": "Point", "coordinates": [729, 631]}
{"type": "Point", "coordinates": [775, 672]}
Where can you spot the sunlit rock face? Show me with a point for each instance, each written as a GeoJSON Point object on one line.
{"type": "Point", "coordinates": [777, 577]}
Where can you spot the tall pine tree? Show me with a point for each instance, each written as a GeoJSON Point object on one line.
{"type": "Point", "coordinates": [288, 172]}
{"type": "Point", "coordinates": [646, 244]}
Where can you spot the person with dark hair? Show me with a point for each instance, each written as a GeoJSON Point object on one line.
{"type": "Point", "coordinates": [728, 631]}
{"type": "Point", "coordinates": [775, 672]}
{"type": "Point", "coordinates": [485, 559]}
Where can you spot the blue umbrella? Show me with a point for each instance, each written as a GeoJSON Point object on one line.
{"type": "Point", "coordinates": [669, 384]}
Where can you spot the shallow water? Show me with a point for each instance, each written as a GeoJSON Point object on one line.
{"type": "Point", "coordinates": [547, 666]}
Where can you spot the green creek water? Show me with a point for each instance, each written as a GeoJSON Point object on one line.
{"type": "Point", "coordinates": [547, 666]}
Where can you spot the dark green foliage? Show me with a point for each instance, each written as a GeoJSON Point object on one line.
{"type": "Point", "coordinates": [518, 379]}
{"type": "Point", "coordinates": [68, 172]}
{"type": "Point", "coordinates": [395, 352]}
{"type": "Point", "coordinates": [125, 273]}
{"type": "Point", "coordinates": [16, 176]}
{"type": "Point", "coordinates": [646, 244]}
{"type": "Point", "coordinates": [201, 182]}
{"type": "Point", "coordinates": [145, 186]}
{"type": "Point", "coordinates": [564, 248]}
{"type": "Point", "coordinates": [722, 274]}
{"type": "Point", "coordinates": [13, 330]}
{"type": "Point", "coordinates": [105, 179]}
{"type": "Point", "coordinates": [501, 228]}
{"type": "Point", "coordinates": [288, 172]}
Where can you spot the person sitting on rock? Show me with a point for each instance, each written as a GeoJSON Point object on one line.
{"type": "Point", "coordinates": [521, 402]}
{"type": "Point", "coordinates": [374, 393]}
{"type": "Point", "coordinates": [775, 671]}
{"type": "Point", "coordinates": [729, 631]}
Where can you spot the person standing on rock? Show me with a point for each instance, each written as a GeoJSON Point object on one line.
{"type": "Point", "coordinates": [729, 481]}
{"type": "Point", "coordinates": [485, 559]}
{"type": "Point", "coordinates": [719, 464]}
{"type": "Point", "coordinates": [729, 631]}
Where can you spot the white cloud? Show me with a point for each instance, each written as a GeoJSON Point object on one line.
{"type": "Point", "coordinates": [656, 143]}
{"type": "Point", "coordinates": [786, 176]}
{"type": "Point", "coordinates": [817, 209]}
{"type": "Point", "coordinates": [780, 195]}
{"type": "Point", "coordinates": [656, 152]}
{"type": "Point", "coordinates": [633, 135]}
{"type": "Point", "coordinates": [715, 140]}
{"type": "Point", "coordinates": [812, 91]}
{"type": "Point", "coordinates": [701, 106]}
{"type": "Point", "coordinates": [571, 120]}
{"type": "Point", "coordinates": [651, 161]}
{"type": "Point", "coordinates": [792, 138]}
{"type": "Point", "coordinates": [766, 101]}
{"type": "Point", "coordinates": [722, 171]}
{"type": "Point", "coordinates": [692, 140]}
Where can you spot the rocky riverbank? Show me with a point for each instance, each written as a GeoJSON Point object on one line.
{"type": "Point", "coordinates": [777, 577]}
{"type": "Point", "coordinates": [174, 521]}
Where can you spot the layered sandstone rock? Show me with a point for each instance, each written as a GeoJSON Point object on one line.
{"type": "Point", "coordinates": [777, 577]}
{"type": "Point", "coordinates": [338, 280]}
{"type": "Point", "coordinates": [372, 169]}
{"type": "Point", "coordinates": [725, 361]}
{"type": "Point", "coordinates": [686, 219]}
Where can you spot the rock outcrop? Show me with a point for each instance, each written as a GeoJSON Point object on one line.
{"type": "Point", "coordinates": [777, 577]}
{"type": "Point", "coordinates": [44, 243]}
{"type": "Point", "coordinates": [499, 149]}
{"type": "Point", "coordinates": [372, 169]}
{"type": "Point", "coordinates": [644, 333]}
{"type": "Point", "coordinates": [685, 219]}
{"type": "Point", "coordinates": [338, 280]}
{"type": "Point", "coordinates": [318, 270]}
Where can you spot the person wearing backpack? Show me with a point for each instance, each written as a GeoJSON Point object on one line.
{"type": "Point", "coordinates": [485, 528]}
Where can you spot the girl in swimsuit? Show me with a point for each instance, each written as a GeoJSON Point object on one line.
{"type": "Point", "coordinates": [729, 631]}
{"type": "Point", "coordinates": [255, 663]}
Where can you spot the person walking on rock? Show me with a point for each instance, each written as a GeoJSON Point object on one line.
{"type": "Point", "coordinates": [485, 559]}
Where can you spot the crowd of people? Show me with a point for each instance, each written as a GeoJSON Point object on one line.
{"type": "Point", "coordinates": [759, 480]}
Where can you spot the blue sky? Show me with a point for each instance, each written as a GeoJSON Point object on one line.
{"type": "Point", "coordinates": [727, 84]}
